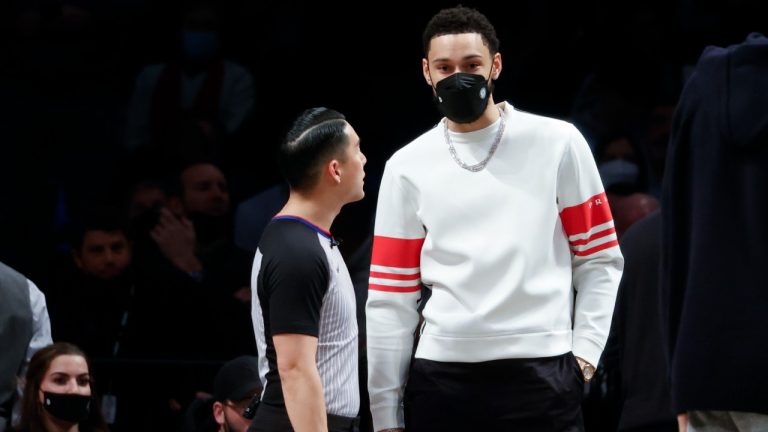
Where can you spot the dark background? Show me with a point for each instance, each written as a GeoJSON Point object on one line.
{"type": "Point", "coordinates": [68, 70]}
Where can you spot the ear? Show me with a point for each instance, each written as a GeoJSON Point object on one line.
{"type": "Point", "coordinates": [496, 66]}
{"type": "Point", "coordinates": [333, 169]}
{"type": "Point", "coordinates": [218, 412]}
{"type": "Point", "coordinates": [425, 71]}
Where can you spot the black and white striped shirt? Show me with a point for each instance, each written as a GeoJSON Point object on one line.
{"type": "Point", "coordinates": [301, 285]}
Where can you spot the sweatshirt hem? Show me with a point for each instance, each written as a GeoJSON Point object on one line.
{"type": "Point", "coordinates": [480, 349]}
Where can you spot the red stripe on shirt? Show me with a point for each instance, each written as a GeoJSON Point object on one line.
{"type": "Point", "coordinates": [597, 248]}
{"type": "Point", "coordinates": [389, 288]}
{"type": "Point", "coordinates": [396, 276]}
{"type": "Point", "coordinates": [396, 252]}
{"type": "Point", "coordinates": [594, 236]}
{"type": "Point", "coordinates": [583, 217]}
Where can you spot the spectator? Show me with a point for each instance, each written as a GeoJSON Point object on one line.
{"type": "Point", "coordinates": [146, 196]}
{"type": "Point", "coordinates": [713, 285]}
{"type": "Point", "coordinates": [58, 393]}
{"type": "Point", "coordinates": [187, 105]}
{"type": "Point", "coordinates": [191, 260]}
{"type": "Point", "coordinates": [236, 384]}
{"type": "Point", "coordinates": [94, 298]}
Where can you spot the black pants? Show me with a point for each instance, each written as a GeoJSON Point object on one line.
{"type": "Point", "coordinates": [271, 418]}
{"type": "Point", "coordinates": [529, 395]}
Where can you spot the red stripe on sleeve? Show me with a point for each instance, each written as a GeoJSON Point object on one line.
{"type": "Point", "coordinates": [597, 248]}
{"type": "Point", "coordinates": [581, 218]}
{"type": "Point", "coordinates": [389, 288]}
{"type": "Point", "coordinates": [595, 236]}
{"type": "Point", "coordinates": [396, 252]}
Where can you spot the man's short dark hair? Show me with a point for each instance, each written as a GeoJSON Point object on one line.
{"type": "Point", "coordinates": [317, 135]}
{"type": "Point", "coordinates": [174, 186]}
{"type": "Point", "coordinates": [98, 218]}
{"type": "Point", "coordinates": [458, 20]}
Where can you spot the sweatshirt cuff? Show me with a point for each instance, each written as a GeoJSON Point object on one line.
{"type": "Point", "coordinates": [387, 417]}
{"type": "Point", "coordinates": [587, 349]}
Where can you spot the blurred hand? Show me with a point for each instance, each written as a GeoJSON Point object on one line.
{"type": "Point", "coordinates": [682, 422]}
{"type": "Point", "coordinates": [175, 236]}
{"type": "Point", "coordinates": [243, 294]}
{"type": "Point", "coordinates": [174, 405]}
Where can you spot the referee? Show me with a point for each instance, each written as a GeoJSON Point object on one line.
{"type": "Point", "coordinates": [304, 314]}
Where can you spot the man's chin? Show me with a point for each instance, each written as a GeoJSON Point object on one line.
{"type": "Point", "coordinates": [108, 275]}
{"type": "Point", "coordinates": [357, 197]}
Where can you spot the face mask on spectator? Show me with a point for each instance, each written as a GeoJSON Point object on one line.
{"type": "Point", "coordinates": [69, 407]}
{"type": "Point", "coordinates": [618, 171]}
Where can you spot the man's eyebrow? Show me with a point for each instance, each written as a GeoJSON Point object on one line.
{"type": "Point", "coordinates": [466, 57]}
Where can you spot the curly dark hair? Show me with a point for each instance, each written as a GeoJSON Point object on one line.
{"type": "Point", "coordinates": [457, 20]}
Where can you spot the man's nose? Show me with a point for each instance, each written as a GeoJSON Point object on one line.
{"type": "Point", "coordinates": [219, 192]}
{"type": "Point", "coordinates": [109, 256]}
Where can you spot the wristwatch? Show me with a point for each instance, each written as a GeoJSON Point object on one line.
{"type": "Point", "coordinates": [587, 370]}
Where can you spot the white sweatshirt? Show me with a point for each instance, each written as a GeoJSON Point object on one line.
{"type": "Point", "coordinates": [501, 249]}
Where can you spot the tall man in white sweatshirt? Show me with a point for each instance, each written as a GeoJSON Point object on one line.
{"type": "Point", "coordinates": [502, 216]}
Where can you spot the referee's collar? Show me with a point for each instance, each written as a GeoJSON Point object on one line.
{"type": "Point", "coordinates": [319, 230]}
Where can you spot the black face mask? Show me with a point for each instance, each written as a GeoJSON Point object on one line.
{"type": "Point", "coordinates": [462, 97]}
{"type": "Point", "coordinates": [68, 407]}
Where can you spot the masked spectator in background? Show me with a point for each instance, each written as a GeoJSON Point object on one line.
{"type": "Point", "coordinates": [198, 94]}
{"type": "Point", "coordinates": [58, 395]}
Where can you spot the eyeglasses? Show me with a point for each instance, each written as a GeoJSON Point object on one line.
{"type": "Point", "coordinates": [250, 411]}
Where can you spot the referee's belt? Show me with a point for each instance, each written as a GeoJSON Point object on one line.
{"type": "Point", "coordinates": [336, 422]}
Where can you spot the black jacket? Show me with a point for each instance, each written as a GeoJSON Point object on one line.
{"type": "Point", "coordinates": [714, 288]}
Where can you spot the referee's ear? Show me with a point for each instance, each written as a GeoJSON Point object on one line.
{"type": "Point", "coordinates": [333, 171]}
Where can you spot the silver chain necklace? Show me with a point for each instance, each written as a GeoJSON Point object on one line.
{"type": "Point", "coordinates": [480, 165]}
